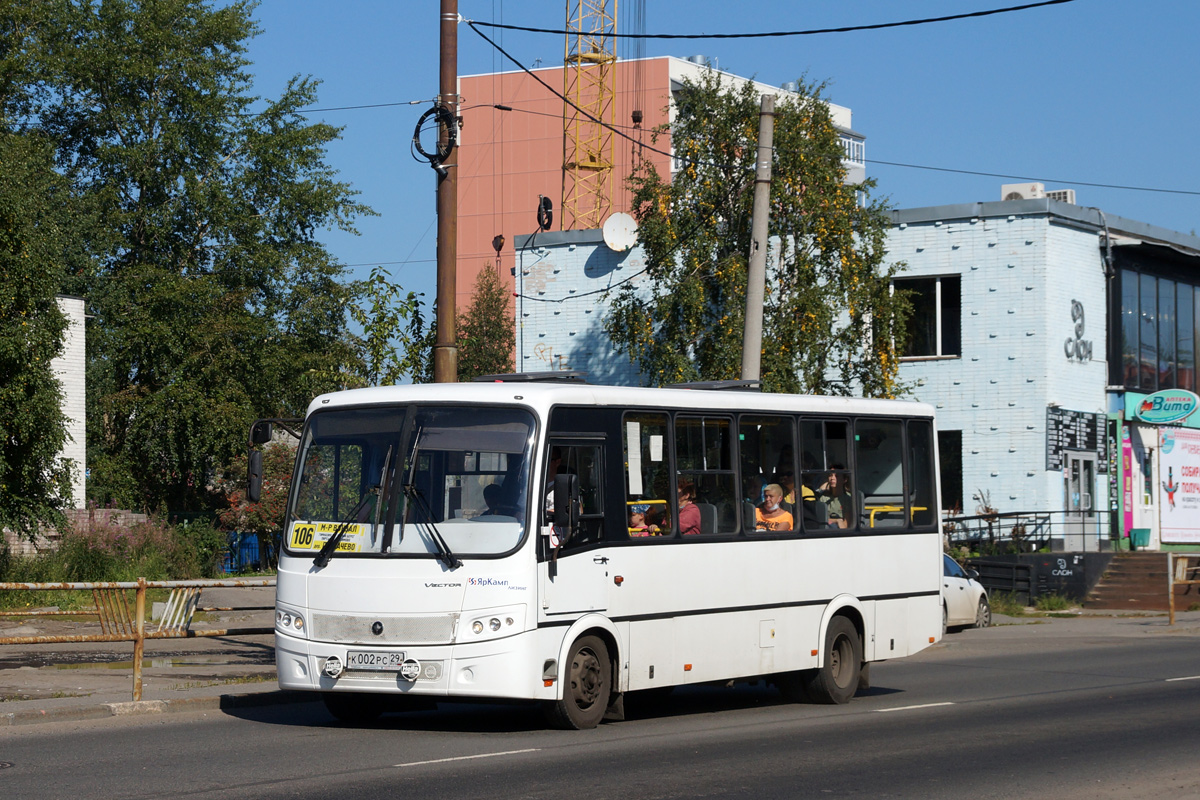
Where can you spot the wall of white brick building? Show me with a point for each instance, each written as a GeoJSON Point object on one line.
{"type": "Point", "coordinates": [1019, 273]}
{"type": "Point", "coordinates": [70, 367]}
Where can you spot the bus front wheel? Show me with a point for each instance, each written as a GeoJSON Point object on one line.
{"type": "Point", "coordinates": [588, 682]}
{"type": "Point", "coordinates": [837, 680]}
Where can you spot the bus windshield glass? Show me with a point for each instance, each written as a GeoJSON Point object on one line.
{"type": "Point", "coordinates": [395, 478]}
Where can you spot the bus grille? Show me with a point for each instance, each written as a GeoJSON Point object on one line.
{"type": "Point", "coordinates": [409, 629]}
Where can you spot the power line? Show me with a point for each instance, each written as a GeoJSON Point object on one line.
{"type": "Point", "coordinates": [594, 119]}
{"type": "Point", "coordinates": [1027, 178]}
{"type": "Point", "coordinates": [355, 108]}
{"type": "Point", "coordinates": [769, 34]}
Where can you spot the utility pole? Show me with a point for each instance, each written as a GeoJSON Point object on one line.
{"type": "Point", "coordinates": [757, 273]}
{"type": "Point", "coordinates": [445, 350]}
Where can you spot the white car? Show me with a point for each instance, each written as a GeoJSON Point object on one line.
{"type": "Point", "coordinates": [964, 600]}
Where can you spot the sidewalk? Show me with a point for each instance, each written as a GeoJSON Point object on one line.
{"type": "Point", "coordinates": [45, 682]}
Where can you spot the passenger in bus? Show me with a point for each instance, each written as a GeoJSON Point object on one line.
{"type": "Point", "coordinates": [833, 494]}
{"type": "Point", "coordinates": [771, 516]}
{"type": "Point", "coordinates": [656, 523]}
{"type": "Point", "coordinates": [689, 513]}
{"type": "Point", "coordinates": [637, 521]}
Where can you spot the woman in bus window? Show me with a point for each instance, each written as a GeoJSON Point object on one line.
{"type": "Point", "coordinates": [833, 494]}
{"type": "Point", "coordinates": [689, 512]}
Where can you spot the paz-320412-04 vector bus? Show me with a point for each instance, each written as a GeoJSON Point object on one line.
{"type": "Point", "coordinates": [569, 544]}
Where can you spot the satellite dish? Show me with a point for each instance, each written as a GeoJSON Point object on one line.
{"type": "Point", "coordinates": [620, 232]}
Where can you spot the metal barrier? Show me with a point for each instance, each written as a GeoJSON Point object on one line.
{"type": "Point", "coordinates": [119, 624]}
{"type": "Point", "coordinates": [1027, 531]}
{"type": "Point", "coordinates": [1183, 569]}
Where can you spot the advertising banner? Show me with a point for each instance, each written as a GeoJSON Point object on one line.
{"type": "Point", "coordinates": [1179, 485]}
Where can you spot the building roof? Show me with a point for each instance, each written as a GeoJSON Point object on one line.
{"type": "Point", "coordinates": [1123, 231]}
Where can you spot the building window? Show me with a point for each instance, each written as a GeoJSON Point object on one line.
{"type": "Point", "coordinates": [950, 456]}
{"type": "Point", "coordinates": [935, 327]}
{"type": "Point", "coordinates": [1159, 329]}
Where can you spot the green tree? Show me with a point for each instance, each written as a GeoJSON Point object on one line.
{"type": "Point", "coordinates": [393, 341]}
{"type": "Point", "coordinates": [829, 317]}
{"type": "Point", "coordinates": [485, 331]}
{"type": "Point", "coordinates": [212, 301]}
{"type": "Point", "coordinates": [35, 481]}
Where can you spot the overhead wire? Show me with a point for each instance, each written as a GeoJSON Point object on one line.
{"type": "Point", "coordinates": [809, 32]}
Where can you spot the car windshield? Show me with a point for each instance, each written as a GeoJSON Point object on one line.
{"type": "Point", "coordinates": [398, 477]}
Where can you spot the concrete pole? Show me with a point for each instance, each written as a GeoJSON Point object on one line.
{"type": "Point", "coordinates": [757, 274]}
{"type": "Point", "coordinates": [445, 350]}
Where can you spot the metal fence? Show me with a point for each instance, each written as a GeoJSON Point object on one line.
{"type": "Point", "coordinates": [1029, 532]}
{"type": "Point", "coordinates": [120, 623]}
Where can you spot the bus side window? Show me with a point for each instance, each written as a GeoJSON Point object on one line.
{"type": "Point", "coordinates": [704, 458]}
{"type": "Point", "coordinates": [824, 475]}
{"type": "Point", "coordinates": [648, 485]}
{"type": "Point", "coordinates": [879, 466]}
{"type": "Point", "coordinates": [767, 456]}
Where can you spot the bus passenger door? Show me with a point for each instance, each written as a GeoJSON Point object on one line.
{"type": "Point", "coordinates": [574, 576]}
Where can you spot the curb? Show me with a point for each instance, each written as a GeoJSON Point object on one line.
{"type": "Point", "coordinates": [224, 702]}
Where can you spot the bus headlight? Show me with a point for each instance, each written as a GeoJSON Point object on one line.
{"type": "Point", "coordinates": [496, 622]}
{"type": "Point", "coordinates": [288, 621]}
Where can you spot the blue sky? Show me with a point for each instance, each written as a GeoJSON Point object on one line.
{"type": "Point", "coordinates": [1097, 91]}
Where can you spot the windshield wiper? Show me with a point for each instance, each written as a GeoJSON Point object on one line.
{"type": "Point", "coordinates": [445, 555]}
{"type": "Point", "coordinates": [384, 482]}
{"type": "Point", "coordinates": [322, 558]}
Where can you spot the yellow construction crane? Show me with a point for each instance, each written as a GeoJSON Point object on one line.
{"type": "Point", "coordinates": [589, 77]}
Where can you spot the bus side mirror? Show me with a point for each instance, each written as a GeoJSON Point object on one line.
{"type": "Point", "coordinates": [260, 432]}
{"type": "Point", "coordinates": [254, 473]}
{"type": "Point", "coordinates": [566, 504]}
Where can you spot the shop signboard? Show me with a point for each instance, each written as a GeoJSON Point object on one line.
{"type": "Point", "coordinates": [1167, 407]}
{"type": "Point", "coordinates": [1179, 484]}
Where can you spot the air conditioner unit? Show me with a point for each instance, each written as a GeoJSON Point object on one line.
{"type": "Point", "coordinates": [1022, 191]}
{"type": "Point", "coordinates": [1062, 195]}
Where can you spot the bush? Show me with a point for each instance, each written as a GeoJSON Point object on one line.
{"type": "Point", "coordinates": [105, 551]}
{"type": "Point", "coordinates": [1054, 602]}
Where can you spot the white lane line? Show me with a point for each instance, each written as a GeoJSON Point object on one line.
{"type": "Point", "coordinates": [910, 708]}
{"type": "Point", "coordinates": [1188, 678]}
{"type": "Point", "coordinates": [467, 758]}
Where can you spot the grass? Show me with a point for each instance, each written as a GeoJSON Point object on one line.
{"type": "Point", "coordinates": [1050, 605]}
{"type": "Point", "coordinates": [1054, 602]}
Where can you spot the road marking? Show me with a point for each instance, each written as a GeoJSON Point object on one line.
{"type": "Point", "coordinates": [911, 708]}
{"type": "Point", "coordinates": [1188, 678]}
{"type": "Point", "coordinates": [467, 758]}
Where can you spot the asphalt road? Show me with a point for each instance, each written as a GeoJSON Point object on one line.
{"type": "Point", "coordinates": [1066, 709]}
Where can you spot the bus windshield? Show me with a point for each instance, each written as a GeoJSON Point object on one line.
{"type": "Point", "coordinates": [395, 478]}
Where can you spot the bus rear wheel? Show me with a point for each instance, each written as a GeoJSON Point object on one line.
{"type": "Point", "coordinates": [837, 680]}
{"type": "Point", "coordinates": [588, 683]}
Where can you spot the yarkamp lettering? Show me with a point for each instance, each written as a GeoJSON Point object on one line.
{"type": "Point", "coordinates": [486, 582]}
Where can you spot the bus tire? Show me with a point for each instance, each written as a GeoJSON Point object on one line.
{"type": "Point", "coordinates": [837, 681]}
{"type": "Point", "coordinates": [351, 708]}
{"type": "Point", "coordinates": [586, 687]}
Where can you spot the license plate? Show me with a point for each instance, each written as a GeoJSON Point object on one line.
{"type": "Point", "coordinates": [369, 659]}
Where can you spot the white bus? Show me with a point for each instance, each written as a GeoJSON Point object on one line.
{"type": "Point", "coordinates": [568, 543]}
